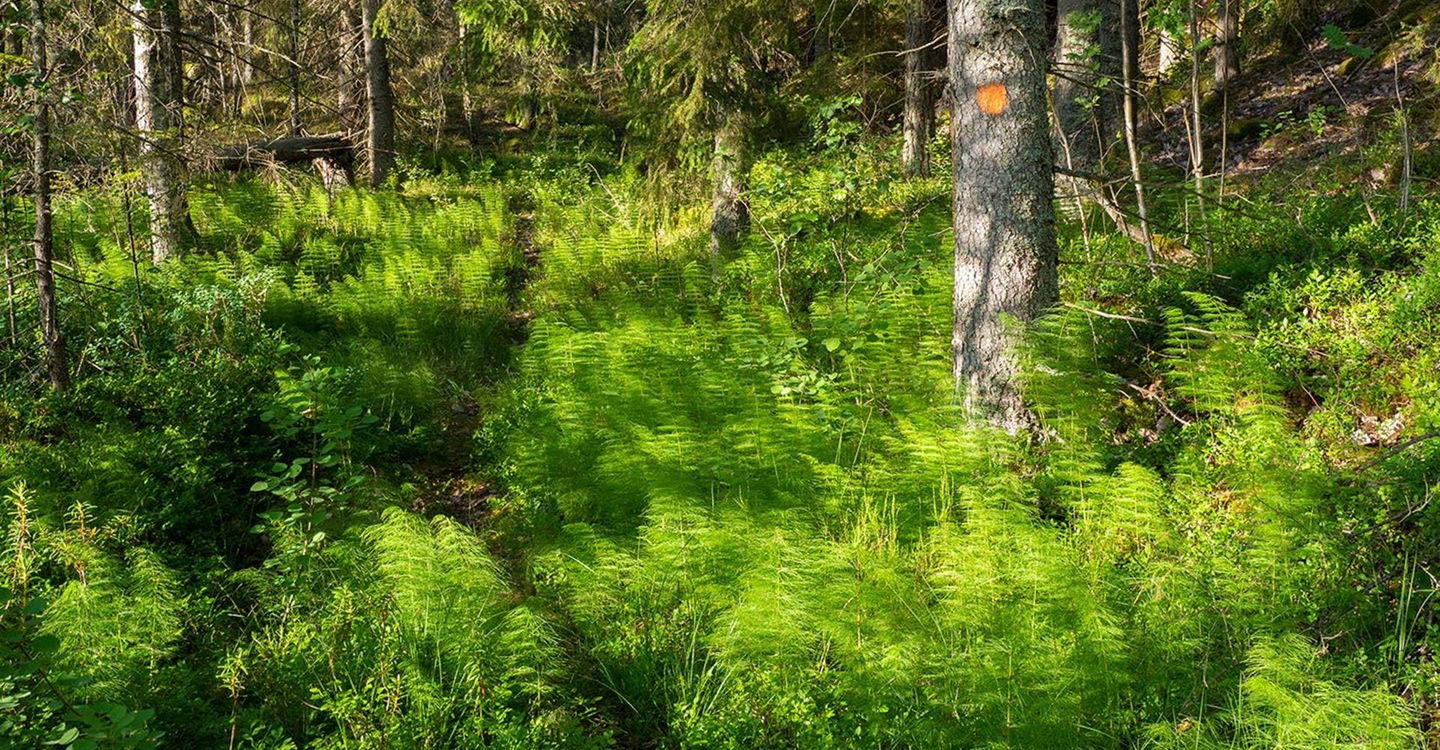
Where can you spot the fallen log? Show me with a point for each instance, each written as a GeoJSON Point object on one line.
{"type": "Point", "coordinates": [300, 149]}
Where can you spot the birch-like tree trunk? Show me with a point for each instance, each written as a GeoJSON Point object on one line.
{"type": "Point", "coordinates": [1005, 252]}
{"type": "Point", "coordinates": [595, 47]}
{"type": "Point", "coordinates": [157, 123]}
{"type": "Point", "coordinates": [1169, 53]}
{"type": "Point", "coordinates": [1130, 59]}
{"type": "Point", "coordinates": [380, 147]}
{"type": "Point", "coordinates": [50, 334]}
{"type": "Point", "coordinates": [247, 35]}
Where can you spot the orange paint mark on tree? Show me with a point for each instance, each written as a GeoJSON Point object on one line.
{"type": "Point", "coordinates": [993, 98]}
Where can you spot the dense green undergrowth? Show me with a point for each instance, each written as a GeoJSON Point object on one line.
{"type": "Point", "coordinates": [732, 506]}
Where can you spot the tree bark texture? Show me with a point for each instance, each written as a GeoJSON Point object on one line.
{"type": "Point", "coordinates": [1227, 43]}
{"type": "Point", "coordinates": [350, 89]}
{"type": "Point", "coordinates": [50, 334]}
{"type": "Point", "coordinates": [1087, 77]}
{"type": "Point", "coordinates": [730, 213]}
{"type": "Point", "coordinates": [294, 67]}
{"type": "Point", "coordinates": [157, 121]}
{"type": "Point", "coordinates": [380, 148]}
{"type": "Point", "coordinates": [921, 28]}
{"type": "Point", "coordinates": [1004, 218]}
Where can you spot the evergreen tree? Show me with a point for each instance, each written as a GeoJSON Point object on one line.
{"type": "Point", "coordinates": [1005, 252]}
{"type": "Point", "coordinates": [380, 97]}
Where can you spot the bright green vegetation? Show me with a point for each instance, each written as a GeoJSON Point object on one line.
{"type": "Point", "coordinates": [363, 478]}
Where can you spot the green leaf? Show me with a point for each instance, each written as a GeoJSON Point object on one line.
{"type": "Point", "coordinates": [66, 737]}
{"type": "Point", "coordinates": [832, 343]}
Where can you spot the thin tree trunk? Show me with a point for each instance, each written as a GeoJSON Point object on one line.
{"type": "Point", "coordinates": [1168, 54]}
{"type": "Point", "coordinates": [730, 213]}
{"type": "Point", "coordinates": [1197, 141]}
{"type": "Point", "coordinates": [44, 235]}
{"type": "Point", "coordinates": [235, 76]}
{"type": "Point", "coordinates": [919, 114]}
{"type": "Point", "coordinates": [174, 71]}
{"type": "Point", "coordinates": [1004, 216]}
{"type": "Point", "coordinates": [381, 141]}
{"type": "Point", "coordinates": [1227, 43]}
{"type": "Point", "coordinates": [9, 271]}
{"type": "Point", "coordinates": [1129, 15]}
{"type": "Point", "coordinates": [820, 48]}
{"type": "Point", "coordinates": [595, 48]}
{"type": "Point", "coordinates": [247, 29]}
{"type": "Point", "coordinates": [294, 67]}
{"type": "Point", "coordinates": [157, 122]}
{"type": "Point", "coordinates": [820, 42]}
{"type": "Point", "coordinates": [467, 98]}
{"type": "Point", "coordinates": [350, 91]}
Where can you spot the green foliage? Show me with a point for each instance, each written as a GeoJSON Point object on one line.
{"type": "Point", "coordinates": [416, 636]}
{"type": "Point", "coordinates": [720, 509]}
{"type": "Point", "coordinates": [314, 487]}
{"type": "Point", "coordinates": [33, 697]}
{"type": "Point", "coordinates": [695, 66]}
{"type": "Point", "coordinates": [68, 666]}
{"type": "Point", "coordinates": [1284, 703]}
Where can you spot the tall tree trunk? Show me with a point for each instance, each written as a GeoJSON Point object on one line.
{"type": "Point", "coordinates": [9, 270]}
{"type": "Point", "coordinates": [1197, 137]}
{"type": "Point", "coordinates": [44, 236]}
{"type": "Point", "coordinates": [919, 114]}
{"type": "Point", "coordinates": [294, 67]}
{"type": "Point", "coordinates": [1005, 252]}
{"type": "Point", "coordinates": [730, 211]}
{"type": "Point", "coordinates": [1087, 79]}
{"type": "Point", "coordinates": [1129, 35]}
{"type": "Point", "coordinates": [157, 120]}
{"type": "Point", "coordinates": [1169, 54]}
{"type": "Point", "coordinates": [1227, 43]}
{"type": "Point", "coordinates": [595, 47]}
{"type": "Point", "coordinates": [236, 61]}
{"type": "Point", "coordinates": [820, 41]}
{"type": "Point", "coordinates": [381, 142]}
{"type": "Point", "coordinates": [247, 32]}
{"type": "Point", "coordinates": [1086, 96]}
{"type": "Point", "coordinates": [467, 97]}
{"type": "Point", "coordinates": [350, 89]}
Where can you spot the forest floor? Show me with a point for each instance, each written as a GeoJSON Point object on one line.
{"type": "Point", "coordinates": [448, 482]}
{"type": "Point", "coordinates": [1303, 104]}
